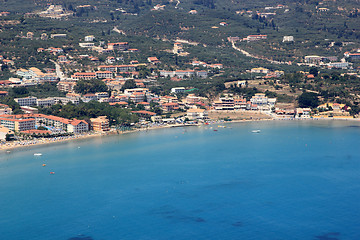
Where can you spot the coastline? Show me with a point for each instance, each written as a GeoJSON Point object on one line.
{"type": "Point", "coordinates": [7, 146]}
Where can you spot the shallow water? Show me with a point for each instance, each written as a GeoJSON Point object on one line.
{"type": "Point", "coordinates": [293, 180]}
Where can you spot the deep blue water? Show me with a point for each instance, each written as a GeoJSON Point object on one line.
{"type": "Point", "coordinates": [293, 180]}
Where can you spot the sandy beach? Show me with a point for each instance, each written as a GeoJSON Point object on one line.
{"type": "Point", "coordinates": [7, 146]}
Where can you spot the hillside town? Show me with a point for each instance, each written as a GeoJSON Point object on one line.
{"type": "Point", "coordinates": [120, 76]}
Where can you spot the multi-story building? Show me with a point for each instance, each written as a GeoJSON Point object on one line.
{"type": "Point", "coordinates": [225, 103]}
{"type": "Point", "coordinates": [104, 74]}
{"type": "Point", "coordinates": [46, 102]}
{"type": "Point", "coordinates": [18, 124]}
{"type": "Point", "coordinates": [66, 86]}
{"type": "Point", "coordinates": [194, 114]}
{"type": "Point", "coordinates": [78, 126]}
{"type": "Point", "coordinates": [84, 75]}
{"type": "Point", "coordinates": [100, 124]}
{"type": "Point", "coordinates": [26, 101]}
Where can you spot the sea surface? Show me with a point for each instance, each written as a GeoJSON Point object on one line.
{"type": "Point", "coordinates": [292, 180]}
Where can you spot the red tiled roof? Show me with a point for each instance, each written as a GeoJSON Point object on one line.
{"type": "Point", "coordinates": [144, 112]}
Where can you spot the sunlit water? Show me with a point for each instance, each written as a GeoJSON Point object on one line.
{"type": "Point", "coordinates": [293, 180]}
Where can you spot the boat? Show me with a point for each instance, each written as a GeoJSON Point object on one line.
{"type": "Point", "coordinates": [37, 154]}
{"type": "Point", "coordinates": [255, 131]}
{"type": "Point", "coordinates": [52, 172]}
{"type": "Point", "coordinates": [44, 165]}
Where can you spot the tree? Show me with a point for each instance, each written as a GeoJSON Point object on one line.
{"type": "Point", "coordinates": [90, 86]}
{"type": "Point", "coordinates": [129, 84]}
{"type": "Point", "coordinates": [308, 99]}
{"type": "Point", "coordinates": [314, 71]}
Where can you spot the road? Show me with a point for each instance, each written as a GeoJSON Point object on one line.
{"type": "Point", "coordinates": [59, 73]}
{"type": "Point", "coordinates": [253, 56]}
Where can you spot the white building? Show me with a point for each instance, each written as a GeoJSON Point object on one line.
{"type": "Point", "coordinates": [178, 90]}
{"type": "Point", "coordinates": [89, 38]}
{"type": "Point", "coordinates": [27, 101]}
{"type": "Point", "coordinates": [194, 114]}
{"type": "Point", "coordinates": [288, 38]}
{"type": "Point", "coordinates": [46, 102]}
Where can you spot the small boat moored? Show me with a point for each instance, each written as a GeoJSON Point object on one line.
{"type": "Point", "coordinates": [255, 131]}
{"type": "Point", "coordinates": [37, 154]}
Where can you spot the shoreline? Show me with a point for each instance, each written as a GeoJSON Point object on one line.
{"type": "Point", "coordinates": [7, 146]}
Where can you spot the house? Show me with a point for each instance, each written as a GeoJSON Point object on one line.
{"type": "Point", "coordinates": [146, 105]}
{"type": "Point", "coordinates": [44, 36]}
{"type": "Point", "coordinates": [169, 107]}
{"type": "Point", "coordinates": [153, 60]}
{"type": "Point", "coordinates": [87, 45]}
{"type": "Point", "coordinates": [62, 59]}
{"type": "Point", "coordinates": [260, 70]}
{"type": "Point", "coordinates": [121, 46]}
{"type": "Point", "coordinates": [89, 97]}
{"type": "Point", "coordinates": [202, 74]}
{"type": "Point", "coordinates": [89, 38]}
{"type": "Point", "coordinates": [288, 38]}
{"type": "Point", "coordinates": [110, 60]}
{"type": "Point", "coordinates": [58, 35]}
{"type": "Point", "coordinates": [159, 7]}
{"type": "Point", "coordinates": [66, 86]}
{"type": "Point", "coordinates": [100, 123]}
{"type": "Point", "coordinates": [100, 95]}
{"type": "Point", "coordinates": [5, 109]}
{"type": "Point", "coordinates": [302, 113]}
{"type": "Point", "coordinates": [30, 35]}
{"type": "Point", "coordinates": [251, 38]}
{"type": "Point", "coordinates": [178, 48]}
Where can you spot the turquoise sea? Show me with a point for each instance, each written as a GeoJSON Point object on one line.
{"type": "Point", "coordinates": [293, 180]}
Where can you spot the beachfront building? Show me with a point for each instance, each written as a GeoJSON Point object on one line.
{"type": "Point", "coordinates": [196, 114]}
{"type": "Point", "coordinates": [77, 126]}
{"type": "Point", "coordinates": [302, 113]}
{"type": "Point", "coordinates": [240, 103]}
{"type": "Point", "coordinates": [262, 102]}
{"type": "Point", "coordinates": [4, 131]}
{"type": "Point", "coordinates": [225, 102]}
{"type": "Point", "coordinates": [100, 124]}
{"type": "Point", "coordinates": [17, 124]}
